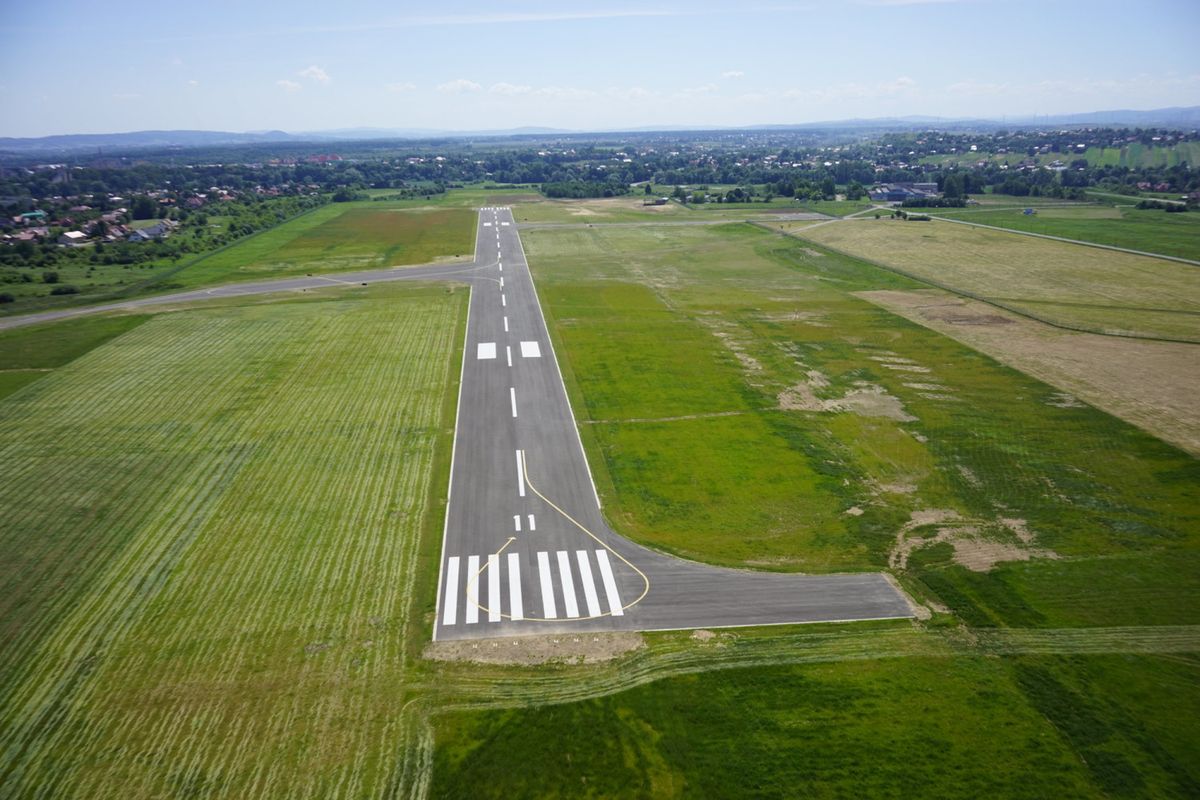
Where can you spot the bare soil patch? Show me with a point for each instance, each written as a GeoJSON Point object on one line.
{"type": "Point", "coordinates": [558, 648]}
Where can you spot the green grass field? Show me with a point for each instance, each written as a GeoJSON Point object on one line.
{"type": "Point", "coordinates": [220, 548]}
{"type": "Point", "coordinates": [337, 238]}
{"type": "Point", "coordinates": [332, 238]}
{"type": "Point", "coordinates": [1148, 230]}
{"type": "Point", "coordinates": [1081, 287]}
{"type": "Point", "coordinates": [211, 545]}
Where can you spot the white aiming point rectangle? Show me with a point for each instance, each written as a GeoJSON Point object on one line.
{"type": "Point", "coordinates": [530, 350]}
{"type": "Point", "coordinates": [486, 350]}
{"type": "Point", "coordinates": [487, 224]}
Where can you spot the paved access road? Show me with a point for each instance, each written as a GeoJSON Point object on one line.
{"type": "Point", "coordinates": [526, 549]}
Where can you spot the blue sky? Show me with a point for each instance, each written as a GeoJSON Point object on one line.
{"type": "Point", "coordinates": [301, 66]}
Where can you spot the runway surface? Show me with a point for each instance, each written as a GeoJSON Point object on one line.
{"type": "Point", "coordinates": [526, 549]}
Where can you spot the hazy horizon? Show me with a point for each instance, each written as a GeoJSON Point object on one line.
{"type": "Point", "coordinates": [475, 66]}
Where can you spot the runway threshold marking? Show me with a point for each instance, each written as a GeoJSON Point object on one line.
{"type": "Point", "coordinates": [598, 540]}
{"type": "Point", "coordinates": [493, 607]}
{"type": "Point", "coordinates": [589, 584]}
{"type": "Point", "coordinates": [568, 584]}
{"type": "Point", "coordinates": [549, 610]}
{"type": "Point", "coordinates": [610, 584]}
{"type": "Point", "coordinates": [516, 606]}
{"type": "Point", "coordinates": [450, 613]}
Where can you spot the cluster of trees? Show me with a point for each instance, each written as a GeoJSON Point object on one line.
{"type": "Point", "coordinates": [585, 188]}
{"type": "Point", "coordinates": [196, 234]}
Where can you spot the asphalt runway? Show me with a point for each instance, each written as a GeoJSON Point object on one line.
{"type": "Point", "coordinates": [526, 549]}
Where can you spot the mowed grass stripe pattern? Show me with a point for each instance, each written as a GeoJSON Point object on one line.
{"type": "Point", "coordinates": [214, 519]}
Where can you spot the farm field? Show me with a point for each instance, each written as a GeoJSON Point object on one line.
{"type": "Point", "coordinates": [334, 237]}
{"type": "Point", "coordinates": [340, 237]}
{"type": "Point", "coordinates": [955, 465]}
{"type": "Point", "coordinates": [249, 494]}
{"type": "Point", "coordinates": [1148, 230]}
{"type": "Point", "coordinates": [211, 544]}
{"type": "Point", "coordinates": [1148, 383]}
{"type": "Point", "coordinates": [1071, 285]}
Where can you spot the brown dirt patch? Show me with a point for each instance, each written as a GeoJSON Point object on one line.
{"type": "Point", "coordinates": [559, 648]}
{"type": "Point", "coordinates": [1150, 384]}
{"type": "Point", "coordinates": [972, 549]}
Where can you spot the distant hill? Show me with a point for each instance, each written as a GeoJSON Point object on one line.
{"type": "Point", "coordinates": [1178, 117]}
{"type": "Point", "coordinates": [85, 141]}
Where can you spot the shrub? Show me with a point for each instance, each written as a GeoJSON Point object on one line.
{"type": "Point", "coordinates": [64, 289]}
{"type": "Point", "coordinates": [49, 276]}
{"type": "Point", "coordinates": [6, 297]}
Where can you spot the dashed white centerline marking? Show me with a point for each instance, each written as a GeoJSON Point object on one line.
{"type": "Point", "coordinates": [503, 302]}
{"type": "Point", "coordinates": [506, 324]}
{"type": "Point", "coordinates": [450, 612]}
{"type": "Point", "coordinates": [512, 396]}
{"type": "Point", "coordinates": [516, 606]}
{"type": "Point", "coordinates": [610, 584]}
{"type": "Point", "coordinates": [493, 569]}
{"type": "Point", "coordinates": [501, 281]}
{"type": "Point", "coordinates": [549, 610]}
{"type": "Point", "coordinates": [508, 352]}
{"type": "Point", "coordinates": [485, 350]}
{"type": "Point", "coordinates": [589, 585]}
{"type": "Point", "coordinates": [520, 475]}
{"type": "Point", "coordinates": [472, 590]}
{"type": "Point", "coordinates": [568, 585]}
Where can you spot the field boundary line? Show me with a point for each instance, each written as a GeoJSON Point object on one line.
{"type": "Point", "coordinates": [972, 296]}
{"type": "Point", "coordinates": [1053, 238]}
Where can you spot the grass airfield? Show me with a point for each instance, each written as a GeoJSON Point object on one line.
{"type": "Point", "coordinates": [223, 526]}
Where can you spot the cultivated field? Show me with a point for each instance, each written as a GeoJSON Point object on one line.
{"type": "Point", "coordinates": [217, 566]}
{"type": "Point", "coordinates": [1148, 230]}
{"type": "Point", "coordinates": [1072, 285]}
{"type": "Point", "coordinates": [210, 548]}
{"type": "Point", "coordinates": [743, 406]}
{"type": "Point", "coordinates": [1151, 384]}
{"type": "Point", "coordinates": [340, 237]}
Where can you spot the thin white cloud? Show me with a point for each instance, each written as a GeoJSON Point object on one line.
{"type": "Point", "coordinates": [400, 86]}
{"type": "Point", "coordinates": [630, 93]}
{"type": "Point", "coordinates": [509, 88]}
{"type": "Point", "coordinates": [733, 74]}
{"type": "Point", "coordinates": [288, 86]}
{"type": "Point", "coordinates": [696, 91]}
{"type": "Point", "coordinates": [193, 82]}
{"type": "Point", "coordinates": [459, 86]}
{"type": "Point", "coordinates": [565, 93]}
{"type": "Point", "coordinates": [315, 73]}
